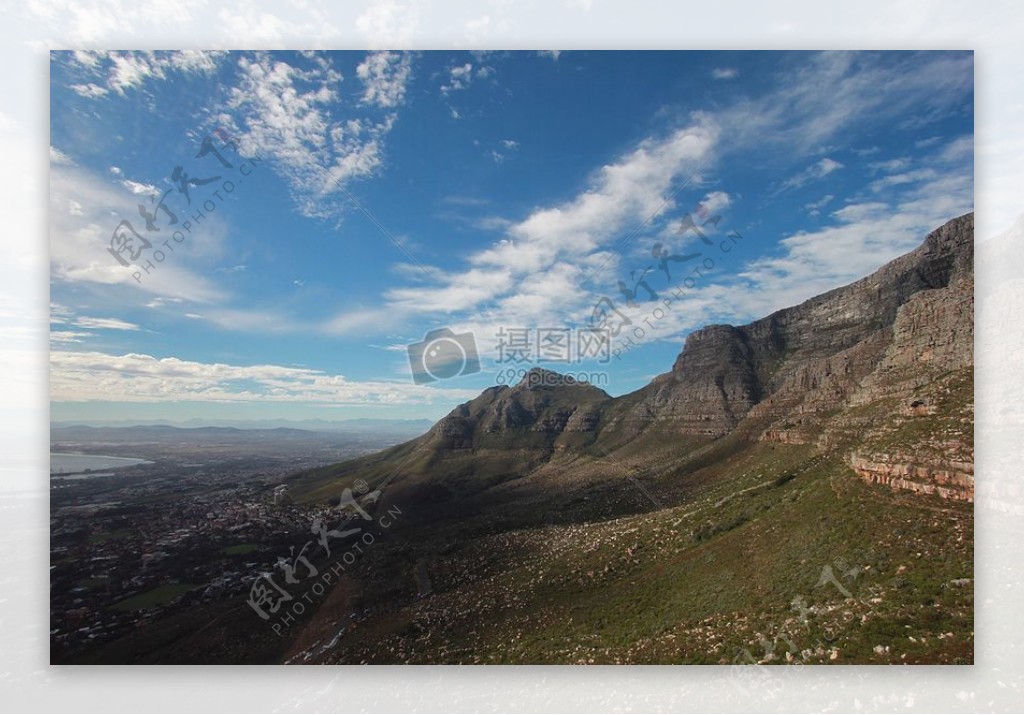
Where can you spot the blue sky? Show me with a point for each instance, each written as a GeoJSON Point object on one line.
{"type": "Point", "coordinates": [377, 196]}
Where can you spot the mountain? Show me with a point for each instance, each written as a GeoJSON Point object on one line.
{"type": "Point", "coordinates": [870, 361]}
{"type": "Point", "coordinates": [797, 489]}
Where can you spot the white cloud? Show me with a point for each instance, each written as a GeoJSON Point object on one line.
{"type": "Point", "coordinates": [105, 324]}
{"type": "Point", "coordinates": [537, 270]}
{"type": "Point", "coordinates": [60, 158]}
{"type": "Point", "coordinates": [125, 70]}
{"type": "Point", "coordinates": [90, 90]}
{"type": "Point", "coordinates": [814, 208]}
{"type": "Point", "coordinates": [862, 238]}
{"type": "Point", "coordinates": [459, 78]}
{"type": "Point", "coordinates": [553, 54]}
{"type": "Point", "coordinates": [385, 76]}
{"type": "Point", "coordinates": [280, 111]}
{"type": "Point", "coordinates": [715, 201]}
{"type": "Point", "coordinates": [140, 189]}
{"type": "Point", "coordinates": [817, 98]}
{"type": "Point", "coordinates": [160, 302]}
{"type": "Point", "coordinates": [818, 170]}
{"type": "Point", "coordinates": [725, 73]}
{"type": "Point", "coordinates": [906, 177]}
{"type": "Point", "coordinates": [68, 336]}
{"type": "Point", "coordinates": [897, 164]}
{"type": "Point", "coordinates": [82, 376]}
{"type": "Point", "coordinates": [85, 208]}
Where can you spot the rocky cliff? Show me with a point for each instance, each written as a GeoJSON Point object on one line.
{"type": "Point", "coordinates": [811, 357]}
{"type": "Point", "coordinates": [853, 369]}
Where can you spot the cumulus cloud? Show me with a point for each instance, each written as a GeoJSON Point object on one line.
{"type": "Point", "coordinates": [120, 71]}
{"type": "Point", "coordinates": [459, 78]}
{"type": "Point", "coordinates": [385, 76]}
{"type": "Point", "coordinates": [280, 111]}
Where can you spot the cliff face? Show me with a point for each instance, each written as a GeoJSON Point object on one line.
{"type": "Point", "coordinates": [816, 354]}
{"type": "Point", "coordinates": [841, 371]}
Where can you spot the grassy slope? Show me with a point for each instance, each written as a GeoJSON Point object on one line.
{"type": "Point", "coordinates": [694, 583]}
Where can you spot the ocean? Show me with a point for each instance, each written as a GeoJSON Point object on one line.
{"type": "Point", "coordinates": [64, 463]}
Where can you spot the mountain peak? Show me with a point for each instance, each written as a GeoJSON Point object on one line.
{"type": "Point", "coordinates": [538, 377]}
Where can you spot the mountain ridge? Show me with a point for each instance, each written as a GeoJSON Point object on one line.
{"type": "Point", "coordinates": [778, 379]}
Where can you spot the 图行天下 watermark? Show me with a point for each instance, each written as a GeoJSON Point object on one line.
{"type": "Point", "coordinates": [665, 299]}
{"type": "Point", "coordinates": [143, 251]}
{"type": "Point", "coordinates": [282, 604]}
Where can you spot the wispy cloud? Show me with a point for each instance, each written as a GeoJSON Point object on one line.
{"type": "Point", "coordinates": [68, 336]}
{"type": "Point", "coordinates": [725, 73]}
{"type": "Point", "coordinates": [521, 278]}
{"type": "Point", "coordinates": [105, 324]}
{"type": "Point", "coordinates": [818, 170]}
{"type": "Point", "coordinates": [814, 208]}
{"type": "Point", "coordinates": [90, 90]}
{"type": "Point", "coordinates": [140, 189]}
{"type": "Point", "coordinates": [818, 97]}
{"type": "Point", "coordinates": [535, 271]}
{"type": "Point", "coordinates": [84, 210]}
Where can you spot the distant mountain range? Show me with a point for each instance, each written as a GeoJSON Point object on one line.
{"type": "Point", "coordinates": [351, 426]}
